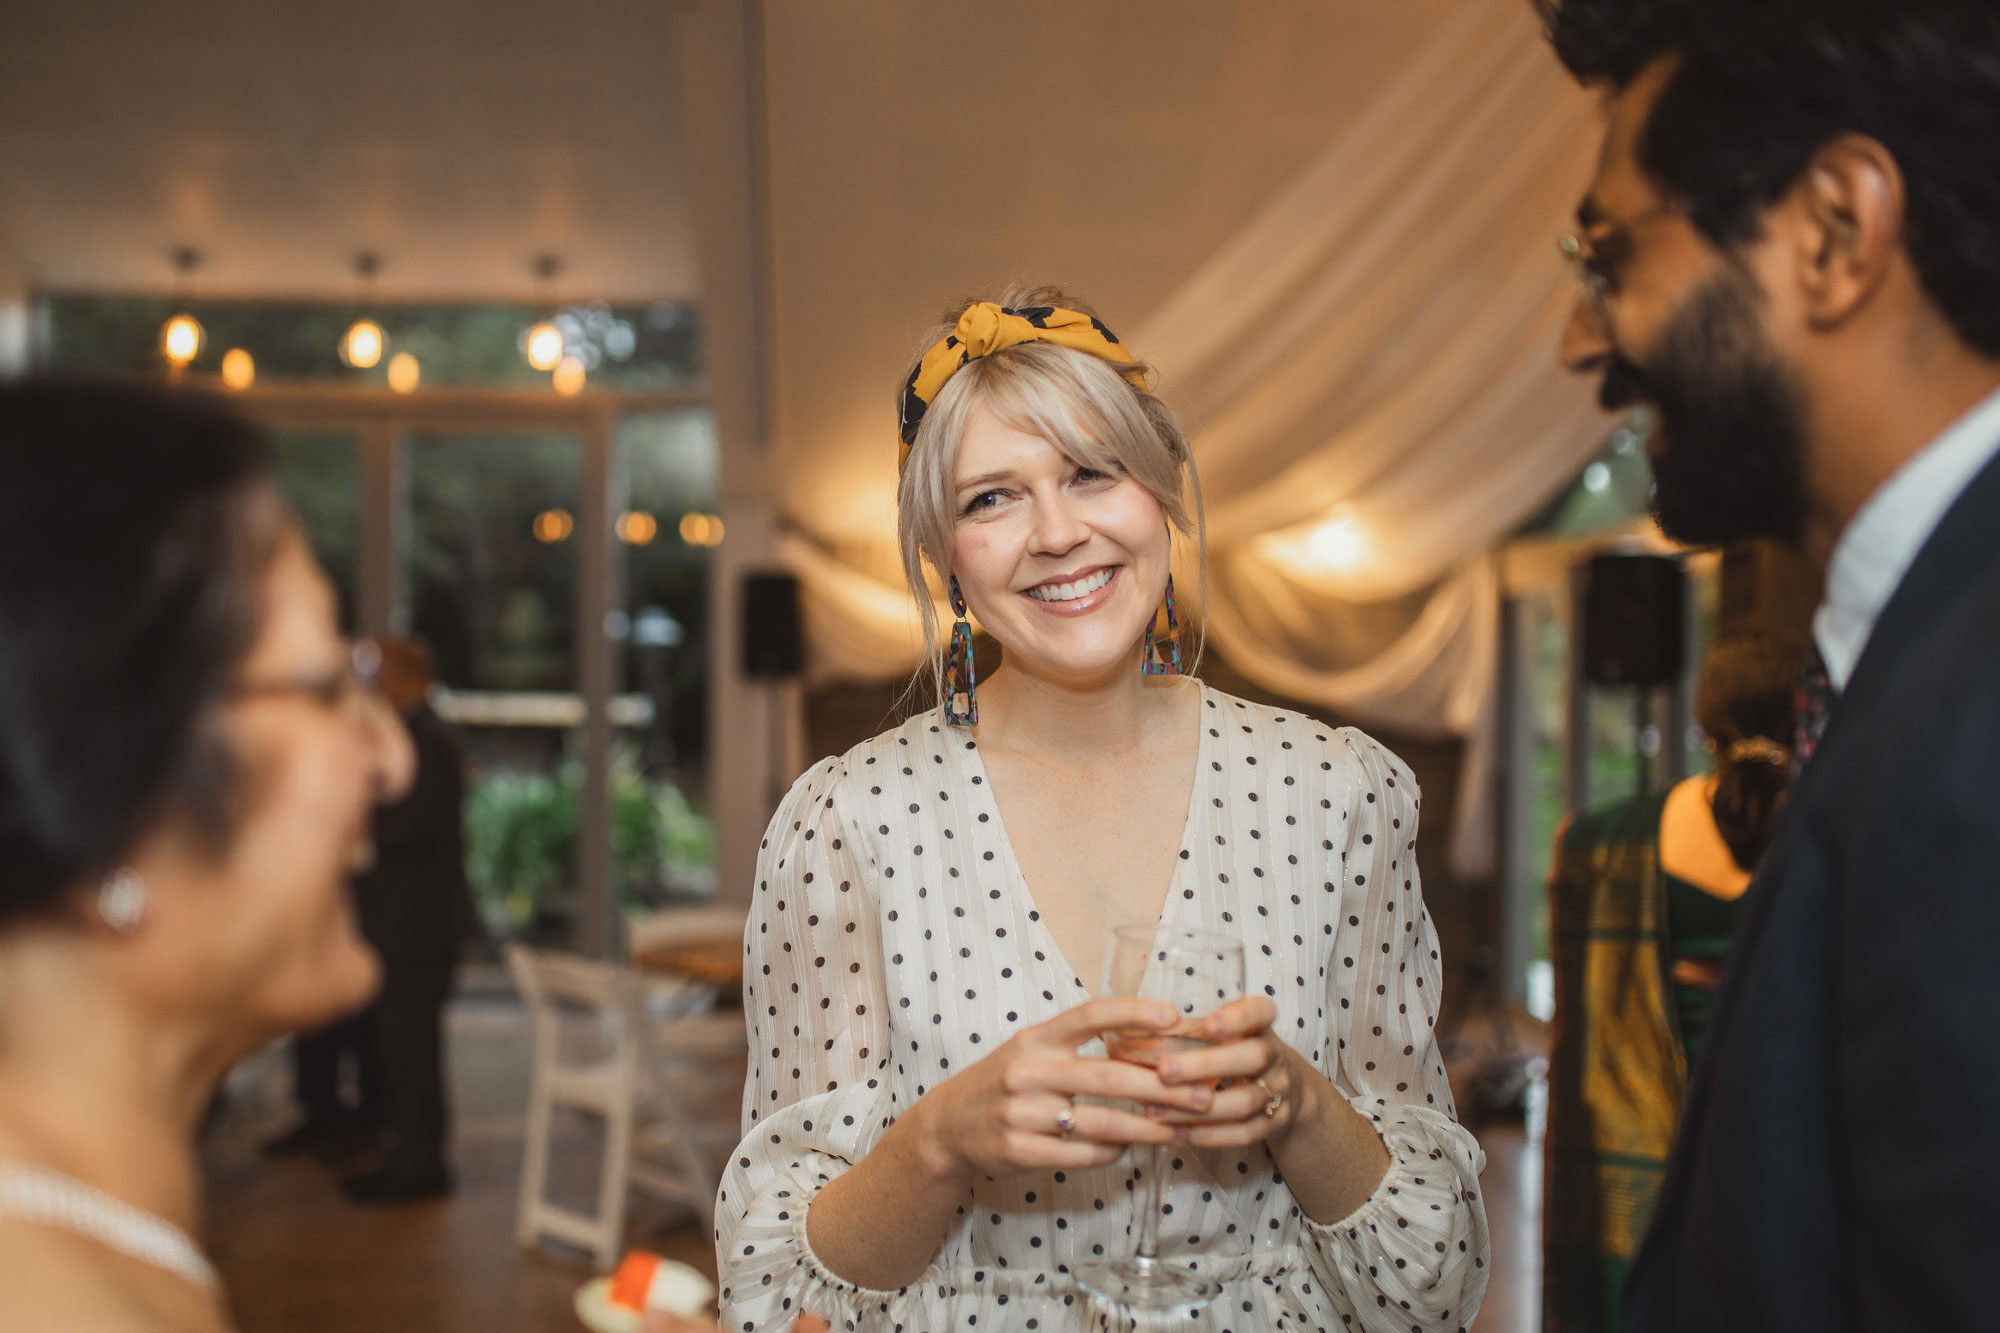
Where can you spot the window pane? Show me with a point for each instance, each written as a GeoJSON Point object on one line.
{"type": "Point", "coordinates": [671, 471]}
{"type": "Point", "coordinates": [490, 555]}
{"type": "Point", "coordinates": [489, 578]}
{"type": "Point", "coordinates": [319, 473]}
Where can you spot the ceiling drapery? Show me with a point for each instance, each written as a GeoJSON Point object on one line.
{"type": "Point", "coordinates": [1367, 372]}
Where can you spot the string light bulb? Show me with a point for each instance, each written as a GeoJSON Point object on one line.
{"type": "Point", "coordinates": [699, 529]}
{"type": "Point", "coordinates": [543, 343]}
{"type": "Point", "coordinates": [553, 525]}
{"type": "Point", "coordinates": [181, 336]}
{"type": "Point", "coordinates": [636, 527]}
{"type": "Point", "coordinates": [404, 372]}
{"type": "Point", "coordinates": [361, 345]}
{"type": "Point", "coordinates": [239, 369]}
{"type": "Point", "coordinates": [180, 339]}
{"type": "Point", "coordinates": [568, 376]}
{"type": "Point", "coordinates": [545, 346]}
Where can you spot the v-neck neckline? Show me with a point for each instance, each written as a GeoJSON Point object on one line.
{"type": "Point", "coordinates": [1018, 878]}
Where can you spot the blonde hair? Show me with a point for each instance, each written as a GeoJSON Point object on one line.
{"type": "Point", "coordinates": [1081, 404]}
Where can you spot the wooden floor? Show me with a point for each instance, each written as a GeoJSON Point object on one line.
{"type": "Point", "coordinates": [298, 1258]}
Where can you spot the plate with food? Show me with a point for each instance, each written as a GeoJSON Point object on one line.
{"type": "Point", "coordinates": [644, 1284]}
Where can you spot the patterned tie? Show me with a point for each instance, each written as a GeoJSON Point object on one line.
{"type": "Point", "coordinates": [1814, 705]}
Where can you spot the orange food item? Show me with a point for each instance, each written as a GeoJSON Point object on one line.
{"type": "Point", "coordinates": [634, 1279]}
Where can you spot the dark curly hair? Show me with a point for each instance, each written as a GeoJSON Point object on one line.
{"type": "Point", "coordinates": [1748, 693]}
{"type": "Point", "coordinates": [1761, 85]}
{"type": "Point", "coordinates": [135, 527]}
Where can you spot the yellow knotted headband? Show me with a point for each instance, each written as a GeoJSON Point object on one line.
{"type": "Point", "coordinates": [986, 328]}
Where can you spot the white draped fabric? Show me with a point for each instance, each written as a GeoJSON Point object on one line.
{"type": "Point", "coordinates": [1367, 373]}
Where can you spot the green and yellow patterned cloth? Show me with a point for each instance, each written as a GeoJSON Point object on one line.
{"type": "Point", "coordinates": [1624, 1033]}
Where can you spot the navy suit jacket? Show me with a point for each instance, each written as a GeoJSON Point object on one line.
{"type": "Point", "coordinates": [1838, 1165]}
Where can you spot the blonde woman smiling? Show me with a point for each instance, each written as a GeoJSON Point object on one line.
{"type": "Point", "coordinates": [928, 1144]}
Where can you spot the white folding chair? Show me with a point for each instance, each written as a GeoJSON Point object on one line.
{"type": "Point", "coordinates": [577, 1002]}
{"type": "Point", "coordinates": [612, 1043]}
{"type": "Point", "coordinates": [691, 1053]}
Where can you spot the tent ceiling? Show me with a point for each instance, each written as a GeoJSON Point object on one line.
{"type": "Point", "coordinates": [458, 138]}
{"type": "Point", "coordinates": [920, 152]}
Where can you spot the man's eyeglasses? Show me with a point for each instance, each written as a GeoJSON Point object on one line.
{"type": "Point", "coordinates": [351, 684]}
{"type": "Point", "coordinates": [1582, 261]}
{"type": "Point", "coordinates": [1588, 267]}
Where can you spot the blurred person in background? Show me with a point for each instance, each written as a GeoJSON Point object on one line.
{"type": "Point", "coordinates": [416, 908]}
{"type": "Point", "coordinates": [334, 1126]}
{"type": "Point", "coordinates": [189, 751]}
{"type": "Point", "coordinates": [1643, 901]}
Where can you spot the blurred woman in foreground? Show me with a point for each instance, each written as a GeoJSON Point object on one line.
{"type": "Point", "coordinates": [188, 754]}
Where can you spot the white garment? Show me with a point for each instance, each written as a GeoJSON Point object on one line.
{"type": "Point", "coordinates": [1882, 541]}
{"type": "Point", "coordinates": [893, 942]}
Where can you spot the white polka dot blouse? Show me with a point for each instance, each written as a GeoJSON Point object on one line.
{"type": "Point", "coordinates": [892, 942]}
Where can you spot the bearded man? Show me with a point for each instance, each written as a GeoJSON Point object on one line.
{"type": "Point", "coordinates": [1790, 254]}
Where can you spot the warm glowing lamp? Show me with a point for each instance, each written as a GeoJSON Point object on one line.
{"type": "Point", "coordinates": [553, 525]}
{"type": "Point", "coordinates": [404, 372]}
{"type": "Point", "coordinates": [545, 346]}
{"type": "Point", "coordinates": [1338, 544]}
{"type": "Point", "coordinates": [636, 527]}
{"type": "Point", "coordinates": [239, 370]}
{"type": "Point", "coordinates": [568, 377]}
{"type": "Point", "coordinates": [701, 529]}
{"type": "Point", "coordinates": [361, 347]}
{"type": "Point", "coordinates": [180, 339]}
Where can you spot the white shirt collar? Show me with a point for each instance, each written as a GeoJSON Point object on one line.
{"type": "Point", "coordinates": [1876, 550]}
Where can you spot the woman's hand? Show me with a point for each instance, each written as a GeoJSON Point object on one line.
{"type": "Point", "coordinates": [1006, 1113]}
{"type": "Point", "coordinates": [1251, 1070]}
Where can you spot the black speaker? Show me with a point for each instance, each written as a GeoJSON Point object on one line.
{"type": "Point", "coordinates": [1634, 620]}
{"type": "Point", "coordinates": [773, 641]}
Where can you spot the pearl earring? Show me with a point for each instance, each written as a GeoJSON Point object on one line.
{"type": "Point", "coordinates": [121, 900]}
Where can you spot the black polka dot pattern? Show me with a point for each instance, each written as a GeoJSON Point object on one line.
{"type": "Point", "coordinates": [893, 943]}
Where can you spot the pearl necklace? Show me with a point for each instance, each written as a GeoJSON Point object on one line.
{"type": "Point", "coordinates": [46, 1197]}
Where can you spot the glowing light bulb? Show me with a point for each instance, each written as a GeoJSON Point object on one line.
{"type": "Point", "coordinates": [361, 347]}
{"type": "Point", "coordinates": [404, 372]}
{"type": "Point", "coordinates": [636, 527]}
{"type": "Point", "coordinates": [568, 377]}
{"type": "Point", "coordinates": [180, 339]}
{"type": "Point", "coordinates": [701, 529]}
{"type": "Point", "coordinates": [1338, 544]}
{"type": "Point", "coordinates": [239, 370]}
{"type": "Point", "coordinates": [544, 346]}
{"type": "Point", "coordinates": [553, 525]}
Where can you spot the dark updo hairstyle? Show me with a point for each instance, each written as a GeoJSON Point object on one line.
{"type": "Point", "coordinates": [135, 528]}
{"type": "Point", "coordinates": [1745, 702]}
{"type": "Point", "coordinates": [1760, 87]}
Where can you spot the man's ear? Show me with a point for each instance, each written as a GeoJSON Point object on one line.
{"type": "Point", "coordinates": [1848, 226]}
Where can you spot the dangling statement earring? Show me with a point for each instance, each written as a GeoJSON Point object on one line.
{"type": "Point", "coordinates": [961, 694]}
{"type": "Point", "coordinates": [1162, 655]}
{"type": "Point", "coordinates": [121, 900]}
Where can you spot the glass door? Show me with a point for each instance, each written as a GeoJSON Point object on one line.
{"type": "Point", "coordinates": [489, 579]}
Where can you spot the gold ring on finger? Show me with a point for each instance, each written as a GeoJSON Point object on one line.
{"type": "Point", "coordinates": [1276, 1101]}
{"type": "Point", "coordinates": [1066, 1120]}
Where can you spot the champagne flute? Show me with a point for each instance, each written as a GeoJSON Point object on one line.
{"type": "Point", "coordinates": [1196, 972]}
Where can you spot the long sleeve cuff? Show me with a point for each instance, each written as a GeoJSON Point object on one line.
{"type": "Point", "coordinates": [771, 1273]}
{"type": "Point", "coordinates": [1414, 1255]}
